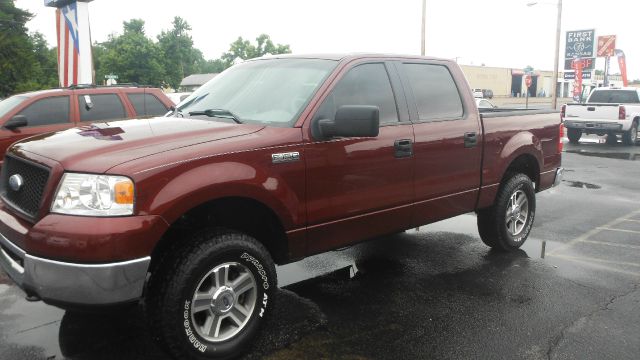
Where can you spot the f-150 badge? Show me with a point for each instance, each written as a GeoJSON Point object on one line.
{"type": "Point", "coordinates": [285, 157]}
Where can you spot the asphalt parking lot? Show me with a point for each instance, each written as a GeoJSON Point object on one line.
{"type": "Point", "coordinates": [437, 292]}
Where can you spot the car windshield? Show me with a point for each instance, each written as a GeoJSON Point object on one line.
{"type": "Point", "coordinates": [614, 97]}
{"type": "Point", "coordinates": [9, 104]}
{"type": "Point", "coordinates": [270, 92]}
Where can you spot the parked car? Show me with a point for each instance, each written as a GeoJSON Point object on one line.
{"type": "Point", "coordinates": [608, 111]}
{"type": "Point", "coordinates": [177, 98]}
{"type": "Point", "coordinates": [487, 93]}
{"type": "Point", "coordinates": [273, 160]}
{"type": "Point", "coordinates": [39, 112]}
{"type": "Point", "coordinates": [477, 93]}
{"type": "Point", "coordinates": [484, 104]}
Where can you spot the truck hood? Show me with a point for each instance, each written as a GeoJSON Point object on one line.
{"type": "Point", "coordinates": [98, 147]}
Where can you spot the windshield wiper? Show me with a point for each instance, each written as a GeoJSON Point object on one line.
{"type": "Point", "coordinates": [221, 113]}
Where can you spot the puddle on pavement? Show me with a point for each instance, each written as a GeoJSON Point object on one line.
{"type": "Point", "coordinates": [607, 155]}
{"type": "Point", "coordinates": [581, 185]}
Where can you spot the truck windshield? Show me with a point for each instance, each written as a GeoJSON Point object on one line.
{"type": "Point", "coordinates": [270, 92]}
{"type": "Point", "coordinates": [614, 97]}
{"type": "Point", "coordinates": [9, 104]}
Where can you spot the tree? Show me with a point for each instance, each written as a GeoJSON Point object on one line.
{"type": "Point", "coordinates": [243, 49]}
{"type": "Point", "coordinates": [132, 56]}
{"type": "Point", "coordinates": [179, 57]}
{"type": "Point", "coordinates": [16, 56]}
{"type": "Point", "coordinates": [212, 66]}
{"type": "Point", "coordinates": [45, 69]}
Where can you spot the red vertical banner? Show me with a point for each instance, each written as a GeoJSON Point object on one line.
{"type": "Point", "coordinates": [622, 62]}
{"type": "Point", "coordinates": [577, 65]}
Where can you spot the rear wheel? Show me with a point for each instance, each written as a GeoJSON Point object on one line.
{"type": "Point", "coordinates": [574, 135]}
{"type": "Point", "coordinates": [612, 138]}
{"type": "Point", "coordinates": [209, 300]}
{"type": "Point", "coordinates": [506, 225]}
{"type": "Point", "coordinates": [630, 137]}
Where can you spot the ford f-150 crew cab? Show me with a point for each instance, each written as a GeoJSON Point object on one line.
{"type": "Point", "coordinates": [273, 160]}
{"type": "Point", "coordinates": [608, 111]}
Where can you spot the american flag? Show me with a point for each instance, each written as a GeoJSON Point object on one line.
{"type": "Point", "coordinates": [68, 44]}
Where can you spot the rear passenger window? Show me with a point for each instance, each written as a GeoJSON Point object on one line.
{"type": "Point", "coordinates": [435, 92]}
{"type": "Point", "coordinates": [48, 111]}
{"type": "Point", "coordinates": [366, 84]}
{"type": "Point", "coordinates": [97, 107]}
{"type": "Point", "coordinates": [147, 104]}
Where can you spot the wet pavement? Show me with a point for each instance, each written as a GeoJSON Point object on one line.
{"type": "Point", "coordinates": [437, 292]}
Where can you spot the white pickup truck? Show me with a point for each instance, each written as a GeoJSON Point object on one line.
{"type": "Point", "coordinates": [608, 111]}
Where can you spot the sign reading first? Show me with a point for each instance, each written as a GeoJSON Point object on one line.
{"type": "Point", "coordinates": [580, 44]}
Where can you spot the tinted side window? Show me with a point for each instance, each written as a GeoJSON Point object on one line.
{"type": "Point", "coordinates": [147, 104]}
{"type": "Point", "coordinates": [366, 84]}
{"type": "Point", "coordinates": [98, 107]}
{"type": "Point", "coordinates": [48, 111]}
{"type": "Point", "coordinates": [435, 92]}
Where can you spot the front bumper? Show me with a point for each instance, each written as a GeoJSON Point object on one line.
{"type": "Point", "coordinates": [74, 284]}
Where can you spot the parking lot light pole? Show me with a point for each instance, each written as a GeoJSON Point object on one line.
{"type": "Point", "coordinates": [554, 92]}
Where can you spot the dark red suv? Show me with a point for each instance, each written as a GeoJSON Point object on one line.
{"type": "Point", "coordinates": [38, 112]}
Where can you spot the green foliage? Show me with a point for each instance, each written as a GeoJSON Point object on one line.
{"type": "Point", "coordinates": [16, 51]}
{"type": "Point", "coordinates": [179, 57]}
{"type": "Point", "coordinates": [245, 50]}
{"type": "Point", "coordinates": [132, 56]}
{"type": "Point", "coordinates": [212, 66]}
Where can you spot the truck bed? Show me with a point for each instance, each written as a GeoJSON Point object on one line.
{"type": "Point", "coordinates": [506, 130]}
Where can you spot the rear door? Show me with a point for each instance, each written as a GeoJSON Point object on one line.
{"type": "Point", "coordinates": [360, 187]}
{"type": "Point", "coordinates": [43, 115]}
{"type": "Point", "coordinates": [448, 140]}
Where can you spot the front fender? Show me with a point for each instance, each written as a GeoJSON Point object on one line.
{"type": "Point", "coordinates": [182, 189]}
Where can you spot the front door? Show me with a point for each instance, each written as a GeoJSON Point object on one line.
{"type": "Point", "coordinates": [360, 187]}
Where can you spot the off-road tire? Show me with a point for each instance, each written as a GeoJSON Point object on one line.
{"type": "Point", "coordinates": [492, 223]}
{"type": "Point", "coordinates": [631, 137]}
{"type": "Point", "coordinates": [574, 135]}
{"type": "Point", "coordinates": [171, 290]}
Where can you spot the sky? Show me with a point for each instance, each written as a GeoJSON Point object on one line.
{"type": "Point", "coordinates": [503, 33]}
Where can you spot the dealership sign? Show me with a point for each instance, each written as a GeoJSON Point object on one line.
{"type": "Point", "coordinates": [606, 45]}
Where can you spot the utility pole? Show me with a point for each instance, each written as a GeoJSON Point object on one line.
{"type": "Point", "coordinates": [554, 92]}
{"type": "Point", "coordinates": [424, 26]}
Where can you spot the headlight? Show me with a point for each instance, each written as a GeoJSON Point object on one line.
{"type": "Point", "coordinates": [94, 195]}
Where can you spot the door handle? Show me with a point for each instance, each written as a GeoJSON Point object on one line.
{"type": "Point", "coordinates": [470, 139]}
{"type": "Point", "coordinates": [403, 147]}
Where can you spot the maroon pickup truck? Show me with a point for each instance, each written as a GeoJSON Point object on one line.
{"type": "Point", "coordinates": [273, 160]}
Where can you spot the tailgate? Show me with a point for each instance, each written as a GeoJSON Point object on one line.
{"type": "Point", "coordinates": [592, 112]}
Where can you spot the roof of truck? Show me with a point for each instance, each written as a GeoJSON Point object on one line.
{"type": "Point", "coordinates": [345, 56]}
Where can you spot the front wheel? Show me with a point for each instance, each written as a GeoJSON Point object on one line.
{"type": "Point", "coordinates": [209, 300]}
{"type": "Point", "coordinates": [630, 137]}
{"type": "Point", "coordinates": [506, 225]}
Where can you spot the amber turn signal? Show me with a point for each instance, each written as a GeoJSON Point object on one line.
{"type": "Point", "coordinates": [124, 192]}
